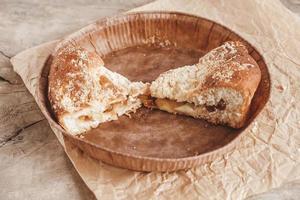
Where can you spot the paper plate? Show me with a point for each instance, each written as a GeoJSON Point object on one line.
{"type": "Point", "coordinates": [141, 46]}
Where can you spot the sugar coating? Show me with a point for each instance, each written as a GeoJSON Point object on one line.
{"type": "Point", "coordinates": [83, 93]}
{"type": "Point", "coordinates": [226, 73]}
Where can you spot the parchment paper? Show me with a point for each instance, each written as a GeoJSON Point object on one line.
{"type": "Point", "coordinates": [269, 155]}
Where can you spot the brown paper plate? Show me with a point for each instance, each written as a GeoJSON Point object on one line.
{"type": "Point", "coordinates": [140, 46]}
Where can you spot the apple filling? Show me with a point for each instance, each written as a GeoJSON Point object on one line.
{"type": "Point", "coordinates": [181, 107]}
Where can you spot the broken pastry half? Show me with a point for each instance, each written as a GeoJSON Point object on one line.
{"type": "Point", "coordinates": [219, 88]}
{"type": "Point", "coordinates": [83, 93]}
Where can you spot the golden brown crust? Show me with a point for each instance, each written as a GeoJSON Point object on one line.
{"type": "Point", "coordinates": [239, 72]}
{"type": "Point", "coordinates": [71, 63]}
{"type": "Point", "coordinates": [245, 72]}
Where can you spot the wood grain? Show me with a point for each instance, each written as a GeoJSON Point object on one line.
{"type": "Point", "coordinates": [33, 164]}
{"type": "Point", "coordinates": [20, 25]}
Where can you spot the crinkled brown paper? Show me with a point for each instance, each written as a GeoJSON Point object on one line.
{"type": "Point", "coordinates": [269, 154]}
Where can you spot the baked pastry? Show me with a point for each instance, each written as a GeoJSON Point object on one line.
{"type": "Point", "coordinates": [83, 93]}
{"type": "Point", "coordinates": [219, 88]}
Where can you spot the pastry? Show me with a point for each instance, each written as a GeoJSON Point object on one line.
{"type": "Point", "coordinates": [83, 93]}
{"type": "Point", "coordinates": [218, 89]}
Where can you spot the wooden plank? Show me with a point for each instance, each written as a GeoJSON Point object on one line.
{"type": "Point", "coordinates": [33, 164]}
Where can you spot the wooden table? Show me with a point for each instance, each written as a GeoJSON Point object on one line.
{"type": "Point", "coordinates": [33, 165]}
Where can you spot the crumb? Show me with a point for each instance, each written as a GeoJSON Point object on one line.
{"type": "Point", "coordinates": [128, 115]}
{"type": "Point", "coordinates": [81, 136]}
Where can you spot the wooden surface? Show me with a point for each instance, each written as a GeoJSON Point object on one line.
{"type": "Point", "coordinates": [33, 164]}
